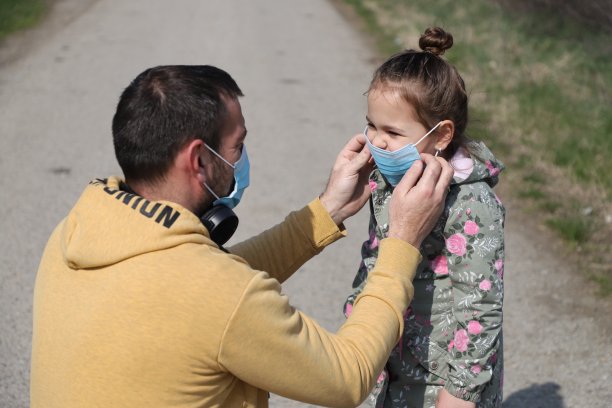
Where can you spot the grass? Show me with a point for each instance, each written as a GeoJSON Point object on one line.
{"type": "Point", "coordinates": [383, 39]}
{"type": "Point", "coordinates": [19, 14]}
{"type": "Point", "coordinates": [605, 284]}
{"type": "Point", "coordinates": [540, 95]}
{"type": "Point", "coordinates": [576, 230]}
{"type": "Point", "coordinates": [533, 193]}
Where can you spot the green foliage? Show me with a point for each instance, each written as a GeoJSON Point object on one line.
{"type": "Point", "coordinates": [605, 284]}
{"type": "Point", "coordinates": [533, 193]}
{"type": "Point", "coordinates": [536, 79]}
{"type": "Point", "coordinates": [384, 39]}
{"type": "Point", "coordinates": [575, 229]}
{"type": "Point", "coordinates": [534, 178]}
{"type": "Point", "coordinates": [19, 14]}
{"type": "Point", "coordinates": [540, 86]}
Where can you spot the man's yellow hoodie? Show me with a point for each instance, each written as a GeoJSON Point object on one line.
{"type": "Point", "coordinates": [135, 306]}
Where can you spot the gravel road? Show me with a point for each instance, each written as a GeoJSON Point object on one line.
{"type": "Point", "coordinates": [303, 67]}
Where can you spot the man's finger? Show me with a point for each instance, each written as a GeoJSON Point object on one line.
{"type": "Point", "coordinates": [411, 177]}
{"type": "Point", "coordinates": [432, 171]}
{"type": "Point", "coordinates": [361, 159]}
{"type": "Point", "coordinates": [445, 176]}
{"type": "Point", "coordinates": [355, 144]}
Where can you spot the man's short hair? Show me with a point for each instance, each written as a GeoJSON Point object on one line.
{"type": "Point", "coordinates": [164, 108]}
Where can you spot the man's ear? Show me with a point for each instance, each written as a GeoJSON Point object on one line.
{"type": "Point", "coordinates": [191, 158]}
{"type": "Point", "coordinates": [444, 134]}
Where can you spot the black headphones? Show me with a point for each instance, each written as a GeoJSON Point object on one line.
{"type": "Point", "coordinates": [221, 223]}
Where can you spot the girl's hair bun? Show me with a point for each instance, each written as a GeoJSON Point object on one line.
{"type": "Point", "coordinates": [435, 40]}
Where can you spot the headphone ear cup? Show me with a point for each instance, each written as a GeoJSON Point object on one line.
{"type": "Point", "coordinates": [221, 223]}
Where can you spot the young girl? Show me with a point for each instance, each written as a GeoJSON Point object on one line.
{"type": "Point", "coordinates": [450, 353]}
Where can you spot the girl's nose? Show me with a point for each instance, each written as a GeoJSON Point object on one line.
{"type": "Point", "coordinates": [377, 140]}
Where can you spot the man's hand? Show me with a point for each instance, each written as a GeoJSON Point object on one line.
{"type": "Point", "coordinates": [418, 199]}
{"type": "Point", "coordinates": [348, 189]}
{"type": "Point", "coordinates": [446, 400]}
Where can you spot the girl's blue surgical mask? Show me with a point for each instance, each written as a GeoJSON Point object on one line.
{"type": "Point", "coordinates": [393, 165]}
{"type": "Point", "coordinates": [241, 179]}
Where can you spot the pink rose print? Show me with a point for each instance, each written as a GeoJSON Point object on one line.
{"type": "Point", "coordinates": [474, 327]}
{"type": "Point", "coordinates": [485, 285]}
{"type": "Point", "coordinates": [348, 310]}
{"type": "Point", "coordinates": [439, 265]}
{"type": "Point", "coordinates": [475, 369]}
{"type": "Point", "coordinates": [373, 185]}
{"type": "Point", "coordinates": [456, 244]}
{"type": "Point", "coordinates": [468, 211]}
{"type": "Point", "coordinates": [373, 241]}
{"type": "Point", "coordinates": [499, 266]}
{"type": "Point", "coordinates": [492, 170]}
{"type": "Point", "coordinates": [470, 228]}
{"type": "Point", "coordinates": [461, 340]}
{"type": "Point", "coordinates": [451, 345]}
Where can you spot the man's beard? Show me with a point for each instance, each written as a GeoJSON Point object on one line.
{"type": "Point", "coordinates": [222, 184]}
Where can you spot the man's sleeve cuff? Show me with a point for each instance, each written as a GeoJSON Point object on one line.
{"type": "Point", "coordinates": [324, 230]}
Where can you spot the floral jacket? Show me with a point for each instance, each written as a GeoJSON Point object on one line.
{"type": "Point", "coordinates": [453, 327]}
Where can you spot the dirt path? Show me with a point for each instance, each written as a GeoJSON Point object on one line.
{"type": "Point", "coordinates": [303, 68]}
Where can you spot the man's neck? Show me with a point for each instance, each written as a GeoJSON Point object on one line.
{"type": "Point", "coordinates": [160, 191]}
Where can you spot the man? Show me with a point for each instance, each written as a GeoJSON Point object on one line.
{"type": "Point", "coordinates": [136, 305]}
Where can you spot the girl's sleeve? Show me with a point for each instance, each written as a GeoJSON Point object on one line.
{"type": "Point", "coordinates": [474, 251]}
{"type": "Point", "coordinates": [369, 253]}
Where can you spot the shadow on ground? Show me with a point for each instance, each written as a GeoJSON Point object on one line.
{"type": "Point", "coordinates": [537, 396]}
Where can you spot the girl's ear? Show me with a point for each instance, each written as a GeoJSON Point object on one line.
{"type": "Point", "coordinates": [444, 134]}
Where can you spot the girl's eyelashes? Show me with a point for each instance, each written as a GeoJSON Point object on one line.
{"type": "Point", "coordinates": [388, 132]}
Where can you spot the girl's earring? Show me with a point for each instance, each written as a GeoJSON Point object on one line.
{"type": "Point", "coordinates": [438, 152]}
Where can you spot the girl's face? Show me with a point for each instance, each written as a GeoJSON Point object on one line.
{"type": "Point", "coordinates": [393, 123]}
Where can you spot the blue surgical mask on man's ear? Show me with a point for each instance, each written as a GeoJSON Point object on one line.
{"type": "Point", "coordinates": [393, 165]}
{"type": "Point", "coordinates": [241, 179]}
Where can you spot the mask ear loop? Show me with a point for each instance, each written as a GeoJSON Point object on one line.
{"type": "Point", "coordinates": [427, 134]}
{"type": "Point", "coordinates": [365, 133]}
{"type": "Point", "coordinates": [204, 183]}
{"type": "Point", "coordinates": [210, 191]}
{"type": "Point", "coordinates": [438, 152]}
{"type": "Point", "coordinates": [219, 156]}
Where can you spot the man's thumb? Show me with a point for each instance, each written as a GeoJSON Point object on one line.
{"type": "Point", "coordinates": [362, 158]}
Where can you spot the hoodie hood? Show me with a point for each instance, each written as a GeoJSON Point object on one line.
{"type": "Point", "coordinates": [486, 166]}
{"type": "Point", "coordinates": [96, 232]}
